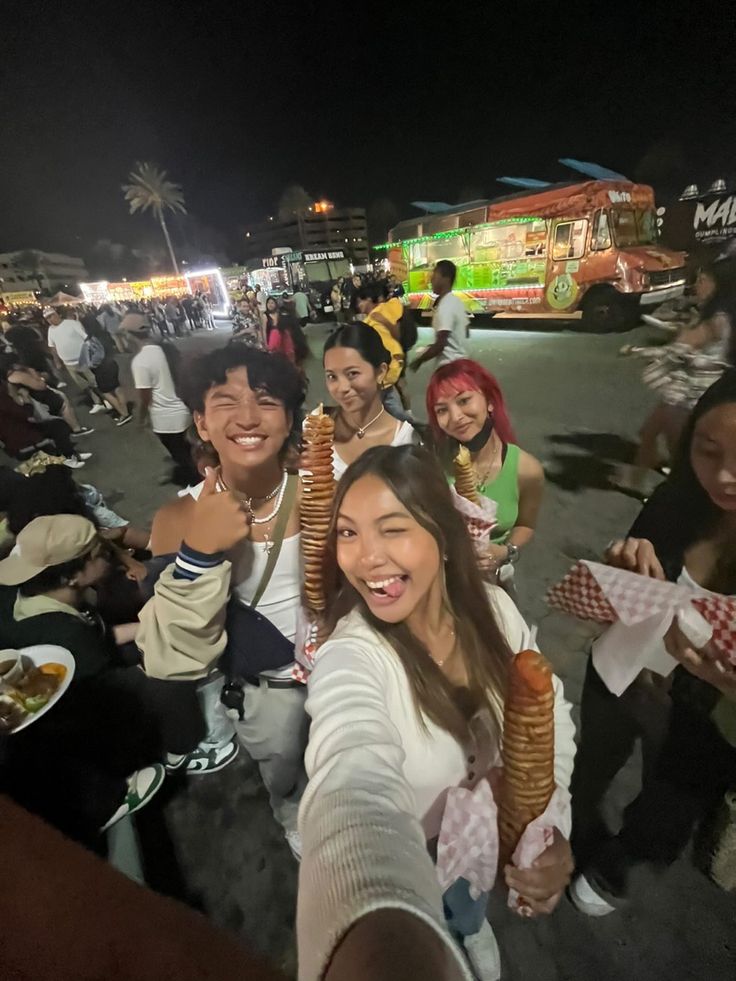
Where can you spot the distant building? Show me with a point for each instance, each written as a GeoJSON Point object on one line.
{"type": "Point", "coordinates": [32, 269]}
{"type": "Point", "coordinates": [322, 228]}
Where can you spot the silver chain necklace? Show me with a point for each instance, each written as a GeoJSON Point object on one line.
{"type": "Point", "coordinates": [279, 489]}
{"type": "Point", "coordinates": [361, 430]}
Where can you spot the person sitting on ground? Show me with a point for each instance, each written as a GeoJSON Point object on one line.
{"type": "Point", "coordinates": [33, 384]}
{"type": "Point", "coordinates": [237, 535]}
{"type": "Point", "coordinates": [406, 702]}
{"type": "Point", "coordinates": [686, 533]}
{"type": "Point", "coordinates": [465, 407]}
{"type": "Point", "coordinates": [24, 432]}
{"type": "Point", "coordinates": [98, 353]}
{"type": "Point", "coordinates": [66, 338]}
{"type": "Point", "coordinates": [32, 351]}
{"type": "Point", "coordinates": [356, 364]}
{"type": "Point", "coordinates": [92, 760]}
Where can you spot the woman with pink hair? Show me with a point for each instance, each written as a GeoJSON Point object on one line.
{"type": "Point", "coordinates": [465, 407]}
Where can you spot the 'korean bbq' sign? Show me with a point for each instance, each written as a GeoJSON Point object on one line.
{"type": "Point", "coordinates": [322, 256]}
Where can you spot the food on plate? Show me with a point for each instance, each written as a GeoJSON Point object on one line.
{"type": "Point", "coordinates": [465, 481]}
{"type": "Point", "coordinates": [12, 713]}
{"type": "Point", "coordinates": [528, 749]}
{"type": "Point", "coordinates": [318, 490]}
{"type": "Point", "coordinates": [28, 693]}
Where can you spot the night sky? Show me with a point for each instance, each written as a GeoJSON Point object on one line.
{"type": "Point", "coordinates": [422, 102]}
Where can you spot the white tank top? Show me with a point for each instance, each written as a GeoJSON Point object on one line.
{"type": "Point", "coordinates": [403, 436]}
{"type": "Point", "coordinates": [281, 600]}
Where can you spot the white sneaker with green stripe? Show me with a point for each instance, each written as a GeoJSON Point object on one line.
{"type": "Point", "coordinates": [142, 786]}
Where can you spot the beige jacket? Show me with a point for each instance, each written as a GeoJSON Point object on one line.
{"type": "Point", "coordinates": [182, 627]}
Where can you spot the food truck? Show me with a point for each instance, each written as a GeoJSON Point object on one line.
{"type": "Point", "coordinates": [701, 224]}
{"type": "Point", "coordinates": [305, 270]}
{"type": "Point", "coordinates": [209, 281]}
{"type": "Point", "coordinates": [585, 250]}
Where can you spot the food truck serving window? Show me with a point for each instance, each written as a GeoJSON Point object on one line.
{"type": "Point", "coordinates": [569, 239]}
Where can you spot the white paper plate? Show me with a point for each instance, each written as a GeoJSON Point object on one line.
{"type": "Point", "coordinates": [45, 654]}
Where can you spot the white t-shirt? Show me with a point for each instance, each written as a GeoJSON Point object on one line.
{"type": "Point", "coordinates": [151, 370]}
{"type": "Point", "coordinates": [282, 599]}
{"type": "Point", "coordinates": [67, 338]}
{"type": "Point", "coordinates": [450, 315]}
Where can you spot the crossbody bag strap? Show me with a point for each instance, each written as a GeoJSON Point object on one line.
{"type": "Point", "coordinates": [287, 506]}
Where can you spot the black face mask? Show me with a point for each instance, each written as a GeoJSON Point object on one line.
{"type": "Point", "coordinates": [476, 444]}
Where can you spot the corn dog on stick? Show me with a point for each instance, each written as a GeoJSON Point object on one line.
{"type": "Point", "coordinates": [465, 479]}
{"type": "Point", "coordinates": [528, 750]}
{"type": "Point", "coordinates": [318, 489]}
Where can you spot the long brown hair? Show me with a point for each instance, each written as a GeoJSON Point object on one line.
{"type": "Point", "coordinates": [416, 479]}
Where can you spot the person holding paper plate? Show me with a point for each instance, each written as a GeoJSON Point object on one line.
{"type": "Point", "coordinates": [686, 533]}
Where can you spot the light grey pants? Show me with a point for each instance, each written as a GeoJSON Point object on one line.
{"type": "Point", "coordinates": [273, 732]}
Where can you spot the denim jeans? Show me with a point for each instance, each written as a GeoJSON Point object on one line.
{"type": "Point", "coordinates": [464, 915]}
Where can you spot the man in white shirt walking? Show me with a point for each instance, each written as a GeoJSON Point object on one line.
{"type": "Point", "coordinates": [66, 337]}
{"type": "Point", "coordinates": [302, 306]}
{"type": "Point", "coordinates": [158, 402]}
{"type": "Point", "coordinates": [449, 319]}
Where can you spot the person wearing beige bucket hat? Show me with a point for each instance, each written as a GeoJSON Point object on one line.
{"type": "Point", "coordinates": [52, 540]}
{"type": "Point", "coordinates": [86, 764]}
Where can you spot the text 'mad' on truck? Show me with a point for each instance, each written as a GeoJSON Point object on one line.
{"type": "Point", "coordinates": [585, 250]}
{"type": "Point", "coordinates": [702, 224]}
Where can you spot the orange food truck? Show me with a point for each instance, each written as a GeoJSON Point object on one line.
{"type": "Point", "coordinates": [583, 250]}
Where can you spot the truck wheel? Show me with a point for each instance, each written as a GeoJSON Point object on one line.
{"type": "Point", "coordinates": [605, 311]}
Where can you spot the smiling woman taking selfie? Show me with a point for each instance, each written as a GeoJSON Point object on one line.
{"type": "Point", "coordinates": [356, 363]}
{"type": "Point", "coordinates": [406, 701]}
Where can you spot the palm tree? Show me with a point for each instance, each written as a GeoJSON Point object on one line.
{"type": "Point", "coordinates": [294, 201]}
{"type": "Point", "coordinates": [149, 189]}
{"type": "Point", "coordinates": [30, 261]}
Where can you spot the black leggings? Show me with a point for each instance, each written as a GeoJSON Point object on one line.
{"type": "Point", "coordinates": [687, 768]}
{"type": "Point", "coordinates": [60, 433]}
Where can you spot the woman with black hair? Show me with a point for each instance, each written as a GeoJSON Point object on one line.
{"type": "Point", "coordinates": [98, 353]}
{"type": "Point", "coordinates": [356, 364]}
{"type": "Point", "coordinates": [686, 533]}
{"type": "Point", "coordinates": [287, 337]}
{"type": "Point", "coordinates": [682, 371]}
{"type": "Point", "coordinates": [31, 351]}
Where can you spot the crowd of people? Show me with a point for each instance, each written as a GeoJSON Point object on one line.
{"type": "Point", "coordinates": [189, 637]}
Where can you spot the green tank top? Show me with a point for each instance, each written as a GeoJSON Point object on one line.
{"type": "Point", "coordinates": [504, 490]}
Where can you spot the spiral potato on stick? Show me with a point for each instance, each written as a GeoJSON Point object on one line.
{"type": "Point", "coordinates": [465, 482]}
{"type": "Point", "coordinates": [528, 750]}
{"type": "Point", "coordinates": [318, 490]}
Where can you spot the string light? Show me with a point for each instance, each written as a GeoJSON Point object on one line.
{"type": "Point", "coordinates": [456, 232]}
